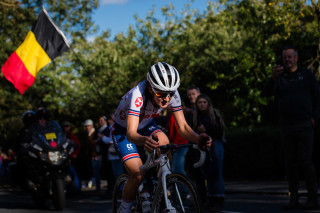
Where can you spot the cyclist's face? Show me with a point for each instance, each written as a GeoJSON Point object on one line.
{"type": "Point", "coordinates": [161, 101]}
{"type": "Point", "coordinates": [202, 104]}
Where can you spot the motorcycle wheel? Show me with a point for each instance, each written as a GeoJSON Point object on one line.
{"type": "Point", "coordinates": [58, 194]}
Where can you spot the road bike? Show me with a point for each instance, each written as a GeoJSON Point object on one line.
{"type": "Point", "coordinates": [172, 192]}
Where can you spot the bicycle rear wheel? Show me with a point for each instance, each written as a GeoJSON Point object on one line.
{"type": "Point", "coordinates": [117, 192]}
{"type": "Point", "coordinates": [182, 196]}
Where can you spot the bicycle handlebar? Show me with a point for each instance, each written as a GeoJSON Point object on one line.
{"type": "Point", "coordinates": [151, 162]}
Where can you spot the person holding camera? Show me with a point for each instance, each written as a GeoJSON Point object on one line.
{"type": "Point", "coordinates": [298, 96]}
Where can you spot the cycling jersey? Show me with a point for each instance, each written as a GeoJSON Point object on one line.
{"type": "Point", "coordinates": [133, 104]}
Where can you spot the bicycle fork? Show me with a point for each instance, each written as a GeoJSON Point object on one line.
{"type": "Point", "coordinates": [162, 188]}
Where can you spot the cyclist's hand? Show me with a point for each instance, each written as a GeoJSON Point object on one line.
{"type": "Point", "coordinates": [205, 141]}
{"type": "Point", "coordinates": [150, 144]}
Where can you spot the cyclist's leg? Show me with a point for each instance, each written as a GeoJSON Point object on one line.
{"type": "Point", "coordinates": [131, 159]}
{"type": "Point", "coordinates": [135, 178]}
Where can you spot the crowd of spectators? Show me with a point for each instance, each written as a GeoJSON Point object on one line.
{"type": "Point", "coordinates": [298, 94]}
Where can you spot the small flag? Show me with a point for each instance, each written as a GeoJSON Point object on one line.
{"type": "Point", "coordinates": [43, 43]}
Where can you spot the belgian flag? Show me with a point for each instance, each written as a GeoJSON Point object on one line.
{"type": "Point", "coordinates": [43, 43]}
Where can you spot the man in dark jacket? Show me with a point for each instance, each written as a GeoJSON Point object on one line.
{"type": "Point", "coordinates": [298, 95]}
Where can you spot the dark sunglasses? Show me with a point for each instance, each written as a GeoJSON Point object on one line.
{"type": "Point", "coordinates": [161, 94]}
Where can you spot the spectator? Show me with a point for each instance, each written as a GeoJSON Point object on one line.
{"type": "Point", "coordinates": [84, 169]}
{"type": "Point", "coordinates": [74, 167]}
{"type": "Point", "coordinates": [113, 155]}
{"type": "Point", "coordinates": [192, 93]}
{"type": "Point", "coordinates": [104, 139]}
{"type": "Point", "coordinates": [96, 157]}
{"type": "Point", "coordinates": [113, 158]}
{"type": "Point", "coordinates": [207, 120]}
{"type": "Point", "coordinates": [4, 164]}
{"type": "Point", "coordinates": [0, 159]}
{"type": "Point", "coordinates": [298, 95]}
{"type": "Point", "coordinates": [194, 173]}
{"type": "Point", "coordinates": [73, 138]}
{"type": "Point", "coordinates": [11, 156]}
{"type": "Point", "coordinates": [178, 156]}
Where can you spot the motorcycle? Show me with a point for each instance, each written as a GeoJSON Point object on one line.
{"type": "Point", "coordinates": [47, 164]}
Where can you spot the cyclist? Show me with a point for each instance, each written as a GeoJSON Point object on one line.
{"type": "Point", "coordinates": [134, 124]}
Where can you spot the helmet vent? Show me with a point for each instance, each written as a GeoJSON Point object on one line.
{"type": "Point", "coordinates": [163, 77]}
{"type": "Point", "coordinates": [160, 74]}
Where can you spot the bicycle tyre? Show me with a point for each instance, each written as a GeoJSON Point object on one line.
{"type": "Point", "coordinates": [117, 192]}
{"type": "Point", "coordinates": [189, 196]}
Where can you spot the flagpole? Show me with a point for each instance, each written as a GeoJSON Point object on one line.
{"type": "Point", "coordinates": [78, 59]}
{"type": "Point", "coordinates": [91, 79]}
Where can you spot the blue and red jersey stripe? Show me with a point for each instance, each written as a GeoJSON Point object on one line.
{"type": "Point", "coordinates": [133, 112]}
{"type": "Point", "coordinates": [175, 109]}
{"type": "Point", "coordinates": [129, 156]}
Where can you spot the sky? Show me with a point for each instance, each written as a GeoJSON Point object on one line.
{"type": "Point", "coordinates": [117, 15]}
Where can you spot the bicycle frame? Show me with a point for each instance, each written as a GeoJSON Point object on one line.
{"type": "Point", "coordinates": [163, 172]}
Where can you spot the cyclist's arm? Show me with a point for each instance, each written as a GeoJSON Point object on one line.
{"type": "Point", "coordinates": [134, 137]}
{"type": "Point", "coordinates": [132, 134]}
{"type": "Point", "coordinates": [184, 129]}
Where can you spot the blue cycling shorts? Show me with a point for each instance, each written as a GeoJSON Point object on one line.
{"type": "Point", "coordinates": [126, 149]}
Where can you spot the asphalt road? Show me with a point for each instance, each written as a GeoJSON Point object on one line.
{"type": "Point", "coordinates": [17, 201]}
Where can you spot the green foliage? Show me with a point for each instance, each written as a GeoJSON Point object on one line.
{"type": "Point", "coordinates": [228, 51]}
{"type": "Point", "coordinates": [17, 18]}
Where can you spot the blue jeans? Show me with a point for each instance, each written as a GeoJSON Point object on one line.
{"type": "Point", "coordinates": [178, 160]}
{"type": "Point", "coordinates": [96, 167]}
{"type": "Point", "coordinates": [72, 172]}
{"type": "Point", "coordinates": [212, 170]}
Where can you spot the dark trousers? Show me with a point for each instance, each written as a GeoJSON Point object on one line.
{"type": "Point", "coordinates": [298, 146]}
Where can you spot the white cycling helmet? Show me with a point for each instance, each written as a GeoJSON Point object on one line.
{"type": "Point", "coordinates": [163, 77]}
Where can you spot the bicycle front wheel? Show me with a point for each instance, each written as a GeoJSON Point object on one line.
{"type": "Point", "coordinates": [117, 192]}
{"type": "Point", "coordinates": [182, 197]}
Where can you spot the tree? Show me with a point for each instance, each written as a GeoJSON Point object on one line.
{"type": "Point", "coordinates": [17, 18]}
{"type": "Point", "coordinates": [228, 51]}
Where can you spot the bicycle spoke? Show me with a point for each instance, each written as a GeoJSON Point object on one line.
{"type": "Point", "coordinates": [182, 197]}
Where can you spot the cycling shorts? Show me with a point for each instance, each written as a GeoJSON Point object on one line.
{"type": "Point", "coordinates": [126, 149]}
